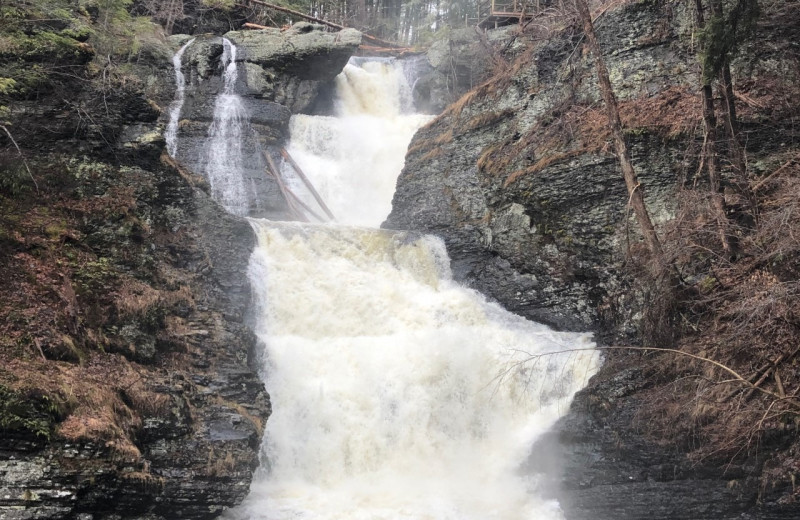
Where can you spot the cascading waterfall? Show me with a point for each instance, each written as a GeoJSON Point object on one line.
{"type": "Point", "coordinates": [225, 160]}
{"type": "Point", "coordinates": [171, 134]}
{"type": "Point", "coordinates": [397, 393]}
{"type": "Point", "coordinates": [354, 158]}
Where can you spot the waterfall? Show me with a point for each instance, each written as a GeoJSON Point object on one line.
{"type": "Point", "coordinates": [354, 158]}
{"type": "Point", "coordinates": [171, 134]}
{"type": "Point", "coordinates": [225, 159]}
{"type": "Point", "coordinates": [397, 393]}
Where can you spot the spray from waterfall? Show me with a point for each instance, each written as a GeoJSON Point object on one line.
{"type": "Point", "coordinates": [397, 393]}
{"type": "Point", "coordinates": [171, 134]}
{"type": "Point", "coordinates": [225, 158]}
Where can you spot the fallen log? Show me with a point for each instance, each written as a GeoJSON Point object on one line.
{"type": "Point", "coordinates": [382, 43]}
{"type": "Point", "coordinates": [296, 212]}
{"type": "Point", "coordinates": [397, 52]}
{"type": "Point", "coordinates": [249, 25]}
{"type": "Point", "coordinates": [295, 204]}
{"type": "Point", "coordinates": [307, 182]}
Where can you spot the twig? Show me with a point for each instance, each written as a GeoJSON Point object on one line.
{"type": "Point", "coordinates": [24, 161]}
{"type": "Point", "coordinates": [39, 347]}
{"type": "Point", "coordinates": [763, 181]}
{"type": "Point", "coordinates": [736, 376]}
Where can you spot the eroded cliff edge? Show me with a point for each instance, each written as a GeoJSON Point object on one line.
{"type": "Point", "coordinates": [519, 178]}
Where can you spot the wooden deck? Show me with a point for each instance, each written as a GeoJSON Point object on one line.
{"type": "Point", "coordinates": [505, 12]}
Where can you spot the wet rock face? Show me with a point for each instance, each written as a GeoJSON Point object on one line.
{"type": "Point", "coordinates": [516, 178]}
{"type": "Point", "coordinates": [196, 404]}
{"type": "Point", "coordinates": [165, 407]}
{"type": "Point", "coordinates": [279, 73]}
{"type": "Point", "coordinates": [605, 467]}
{"type": "Point", "coordinates": [291, 67]}
{"type": "Point", "coordinates": [547, 244]}
{"type": "Point", "coordinates": [454, 65]}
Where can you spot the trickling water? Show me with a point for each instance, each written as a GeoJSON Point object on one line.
{"type": "Point", "coordinates": [171, 134]}
{"type": "Point", "coordinates": [397, 393]}
{"type": "Point", "coordinates": [354, 158]}
{"type": "Point", "coordinates": [225, 159]}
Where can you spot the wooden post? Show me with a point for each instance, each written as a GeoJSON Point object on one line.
{"type": "Point", "coordinates": [307, 182]}
{"type": "Point", "coordinates": [290, 201]}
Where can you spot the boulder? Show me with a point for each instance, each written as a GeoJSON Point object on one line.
{"type": "Point", "coordinates": [291, 67]}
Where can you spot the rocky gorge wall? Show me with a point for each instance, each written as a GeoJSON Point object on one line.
{"type": "Point", "coordinates": [520, 180]}
{"type": "Point", "coordinates": [128, 386]}
{"type": "Point", "coordinates": [497, 176]}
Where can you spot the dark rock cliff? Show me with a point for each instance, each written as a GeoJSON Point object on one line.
{"type": "Point", "coordinates": [532, 213]}
{"type": "Point", "coordinates": [519, 178]}
{"type": "Point", "coordinates": [128, 387]}
{"type": "Point", "coordinates": [127, 383]}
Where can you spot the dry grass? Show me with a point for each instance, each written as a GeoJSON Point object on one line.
{"type": "Point", "coordinates": [744, 313]}
{"type": "Point", "coordinates": [134, 298]}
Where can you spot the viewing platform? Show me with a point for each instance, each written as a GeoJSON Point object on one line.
{"type": "Point", "coordinates": [505, 12]}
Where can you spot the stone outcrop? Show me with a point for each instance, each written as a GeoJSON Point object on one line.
{"type": "Point", "coordinates": [128, 374]}
{"type": "Point", "coordinates": [454, 65]}
{"type": "Point", "coordinates": [546, 243]}
{"type": "Point", "coordinates": [153, 412]}
{"type": "Point", "coordinates": [291, 67]}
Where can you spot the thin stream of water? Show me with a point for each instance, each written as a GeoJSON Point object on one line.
{"type": "Point", "coordinates": [225, 158]}
{"type": "Point", "coordinates": [171, 134]}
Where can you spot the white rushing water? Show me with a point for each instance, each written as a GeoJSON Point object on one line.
{"type": "Point", "coordinates": [354, 158]}
{"type": "Point", "coordinates": [171, 134]}
{"type": "Point", "coordinates": [397, 393]}
{"type": "Point", "coordinates": [225, 160]}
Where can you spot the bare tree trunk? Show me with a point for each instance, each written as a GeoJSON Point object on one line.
{"type": "Point", "coordinates": [710, 157]}
{"type": "Point", "coordinates": [612, 109]}
{"type": "Point", "coordinates": [735, 148]}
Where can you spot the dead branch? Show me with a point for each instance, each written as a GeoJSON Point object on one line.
{"type": "Point", "coordinates": [380, 42]}
{"type": "Point", "coordinates": [737, 377]}
{"type": "Point", "coordinates": [307, 182]}
{"type": "Point", "coordinates": [763, 181]}
{"type": "Point", "coordinates": [24, 161]}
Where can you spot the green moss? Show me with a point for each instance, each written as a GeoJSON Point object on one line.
{"type": "Point", "coordinates": [34, 414]}
{"type": "Point", "coordinates": [14, 180]}
{"type": "Point", "coordinates": [55, 230]}
{"type": "Point", "coordinates": [636, 132]}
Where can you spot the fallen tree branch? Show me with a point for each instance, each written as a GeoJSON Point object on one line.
{"type": "Point", "coordinates": [24, 161]}
{"type": "Point", "coordinates": [308, 184]}
{"type": "Point", "coordinates": [763, 181]}
{"type": "Point", "coordinates": [382, 43]}
{"type": "Point", "coordinates": [737, 377]}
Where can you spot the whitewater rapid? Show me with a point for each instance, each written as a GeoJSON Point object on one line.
{"type": "Point", "coordinates": [397, 393]}
{"type": "Point", "coordinates": [354, 158]}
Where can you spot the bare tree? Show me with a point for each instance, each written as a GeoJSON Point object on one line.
{"type": "Point", "coordinates": [710, 158]}
{"type": "Point", "coordinates": [166, 12]}
{"type": "Point", "coordinates": [635, 189]}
